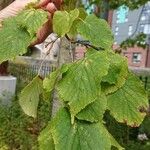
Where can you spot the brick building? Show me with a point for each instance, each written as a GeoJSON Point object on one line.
{"type": "Point", "coordinates": [125, 24]}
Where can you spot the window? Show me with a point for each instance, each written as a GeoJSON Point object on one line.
{"type": "Point", "coordinates": [148, 11]}
{"type": "Point", "coordinates": [148, 3]}
{"type": "Point", "coordinates": [136, 58]}
{"type": "Point", "coordinates": [141, 29]}
{"type": "Point", "coordinates": [116, 30]}
{"type": "Point", "coordinates": [115, 43]}
{"type": "Point", "coordinates": [146, 29]}
{"type": "Point", "coordinates": [116, 33]}
{"type": "Point", "coordinates": [130, 30]}
{"type": "Point", "coordinates": [143, 18]}
{"type": "Point", "coordinates": [126, 19]}
{"type": "Point", "coordinates": [122, 14]}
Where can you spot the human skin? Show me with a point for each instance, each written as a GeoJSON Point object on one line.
{"type": "Point", "coordinates": [48, 5]}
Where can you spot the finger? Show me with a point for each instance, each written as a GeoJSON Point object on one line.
{"type": "Point", "coordinates": [51, 8]}
{"type": "Point", "coordinates": [43, 33]}
{"type": "Point", "coordinates": [57, 3]}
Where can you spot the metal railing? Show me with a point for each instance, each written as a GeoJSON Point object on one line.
{"type": "Point", "coordinates": [143, 74]}
{"type": "Point", "coordinates": [27, 72]}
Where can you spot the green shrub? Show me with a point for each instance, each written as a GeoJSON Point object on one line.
{"type": "Point", "coordinates": [17, 130]}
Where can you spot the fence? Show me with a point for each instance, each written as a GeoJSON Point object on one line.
{"type": "Point", "coordinates": [143, 74]}
{"type": "Point", "coordinates": [29, 69]}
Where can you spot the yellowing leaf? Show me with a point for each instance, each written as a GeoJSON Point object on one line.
{"type": "Point", "coordinates": [29, 97]}
{"type": "Point", "coordinates": [80, 85]}
{"type": "Point", "coordinates": [125, 104]}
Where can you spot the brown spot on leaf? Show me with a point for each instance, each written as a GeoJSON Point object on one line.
{"type": "Point", "coordinates": [125, 121]}
{"type": "Point", "coordinates": [134, 125]}
{"type": "Point", "coordinates": [142, 109]}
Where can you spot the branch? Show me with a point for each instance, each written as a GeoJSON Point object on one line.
{"type": "Point", "coordinates": [84, 42]}
{"type": "Point", "coordinates": [47, 53]}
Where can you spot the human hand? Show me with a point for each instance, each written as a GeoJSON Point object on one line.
{"type": "Point", "coordinates": [49, 5]}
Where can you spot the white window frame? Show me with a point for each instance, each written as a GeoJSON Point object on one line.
{"type": "Point", "coordinates": [138, 59]}
{"type": "Point", "coordinates": [146, 29]}
{"type": "Point", "coordinates": [143, 18]}
{"type": "Point", "coordinates": [130, 30]}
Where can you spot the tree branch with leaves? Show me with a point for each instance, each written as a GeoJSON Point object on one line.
{"type": "Point", "coordinates": [87, 88]}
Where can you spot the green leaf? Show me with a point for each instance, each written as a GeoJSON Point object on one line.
{"type": "Point", "coordinates": [125, 104]}
{"type": "Point", "coordinates": [82, 13]}
{"type": "Point", "coordinates": [66, 18]}
{"type": "Point", "coordinates": [14, 35]}
{"type": "Point", "coordinates": [79, 136]}
{"type": "Point", "coordinates": [96, 31]}
{"type": "Point", "coordinates": [80, 85]}
{"type": "Point", "coordinates": [50, 82]}
{"type": "Point", "coordinates": [59, 18]}
{"type": "Point", "coordinates": [29, 97]}
{"type": "Point", "coordinates": [74, 14]}
{"type": "Point", "coordinates": [73, 30]}
{"type": "Point", "coordinates": [117, 74]}
{"type": "Point", "coordinates": [14, 41]}
{"type": "Point", "coordinates": [32, 20]}
{"type": "Point", "coordinates": [94, 111]}
{"type": "Point", "coordinates": [45, 139]}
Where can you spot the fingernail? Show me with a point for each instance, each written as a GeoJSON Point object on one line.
{"type": "Point", "coordinates": [51, 8]}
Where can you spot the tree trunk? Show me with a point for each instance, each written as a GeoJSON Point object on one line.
{"type": "Point", "coordinates": [102, 10]}
{"type": "Point", "coordinates": [105, 10]}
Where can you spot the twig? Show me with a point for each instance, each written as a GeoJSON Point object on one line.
{"type": "Point", "coordinates": [83, 42]}
{"type": "Point", "coordinates": [47, 53]}
{"type": "Point", "coordinates": [48, 44]}
{"type": "Point", "coordinates": [71, 52]}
